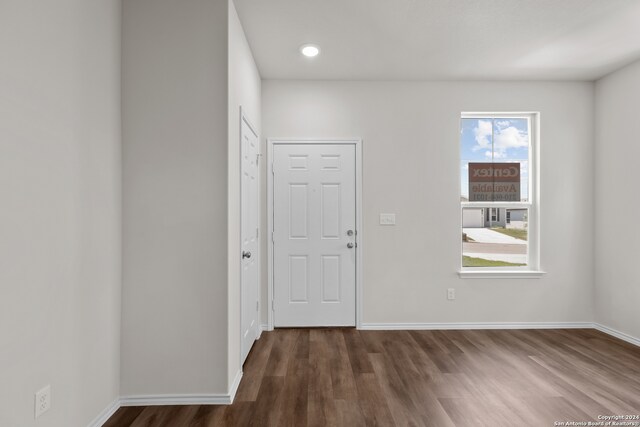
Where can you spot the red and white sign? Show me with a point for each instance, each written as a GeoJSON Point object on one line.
{"type": "Point", "coordinates": [494, 182]}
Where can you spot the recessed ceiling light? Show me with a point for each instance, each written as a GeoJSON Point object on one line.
{"type": "Point", "coordinates": [310, 50]}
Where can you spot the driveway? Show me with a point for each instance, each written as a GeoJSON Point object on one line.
{"type": "Point", "coordinates": [486, 235]}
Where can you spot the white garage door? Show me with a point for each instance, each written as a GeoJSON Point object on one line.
{"type": "Point", "coordinates": [473, 218]}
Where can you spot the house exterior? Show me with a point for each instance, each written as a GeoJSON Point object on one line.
{"type": "Point", "coordinates": [494, 217]}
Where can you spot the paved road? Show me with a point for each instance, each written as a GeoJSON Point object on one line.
{"type": "Point", "coordinates": [486, 235]}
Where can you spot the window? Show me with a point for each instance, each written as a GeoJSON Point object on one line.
{"type": "Point", "coordinates": [498, 195]}
{"type": "Point", "coordinates": [495, 214]}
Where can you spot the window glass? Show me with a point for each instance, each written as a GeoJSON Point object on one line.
{"type": "Point", "coordinates": [494, 242]}
{"type": "Point", "coordinates": [494, 160]}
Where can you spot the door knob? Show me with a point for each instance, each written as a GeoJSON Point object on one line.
{"type": "Point", "coordinates": [349, 232]}
{"type": "Point", "coordinates": [350, 245]}
{"type": "Point", "coordinates": [246, 254]}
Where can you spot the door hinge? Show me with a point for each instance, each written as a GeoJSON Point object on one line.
{"type": "Point", "coordinates": [257, 233]}
{"type": "Point", "coordinates": [273, 307]}
{"type": "Point", "coordinates": [273, 169]}
{"type": "Point", "coordinates": [273, 239]}
{"type": "Point", "coordinates": [257, 305]}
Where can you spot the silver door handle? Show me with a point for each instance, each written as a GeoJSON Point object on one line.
{"type": "Point", "coordinates": [350, 245]}
{"type": "Point", "coordinates": [246, 254]}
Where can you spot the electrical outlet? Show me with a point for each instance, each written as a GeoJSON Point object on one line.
{"type": "Point", "coordinates": [451, 294]}
{"type": "Point", "coordinates": [43, 400]}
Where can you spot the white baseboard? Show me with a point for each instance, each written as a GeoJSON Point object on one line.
{"type": "Point", "coordinates": [175, 399]}
{"type": "Point", "coordinates": [234, 386]}
{"type": "Point", "coordinates": [184, 399]}
{"type": "Point", "coordinates": [475, 325]}
{"type": "Point", "coordinates": [614, 333]}
{"type": "Point", "coordinates": [106, 414]}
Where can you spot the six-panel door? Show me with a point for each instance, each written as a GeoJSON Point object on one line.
{"type": "Point", "coordinates": [314, 196]}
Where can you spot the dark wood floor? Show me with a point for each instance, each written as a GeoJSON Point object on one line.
{"type": "Point", "coordinates": [345, 377]}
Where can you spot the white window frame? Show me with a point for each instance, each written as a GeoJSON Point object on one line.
{"type": "Point", "coordinates": [532, 269]}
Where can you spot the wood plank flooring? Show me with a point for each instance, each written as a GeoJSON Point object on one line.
{"type": "Point", "coordinates": [346, 377]}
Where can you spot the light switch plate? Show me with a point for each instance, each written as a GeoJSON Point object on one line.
{"type": "Point", "coordinates": [387, 219]}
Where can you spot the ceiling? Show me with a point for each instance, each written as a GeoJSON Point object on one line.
{"type": "Point", "coordinates": [442, 39]}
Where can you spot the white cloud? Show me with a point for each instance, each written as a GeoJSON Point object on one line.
{"type": "Point", "coordinates": [510, 137]}
{"type": "Point", "coordinates": [506, 146]}
{"type": "Point", "coordinates": [482, 133]}
{"type": "Point", "coordinates": [504, 138]}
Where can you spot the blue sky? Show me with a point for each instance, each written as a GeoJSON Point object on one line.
{"type": "Point", "coordinates": [497, 140]}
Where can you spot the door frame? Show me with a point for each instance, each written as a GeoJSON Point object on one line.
{"type": "Point", "coordinates": [245, 119]}
{"type": "Point", "coordinates": [357, 143]}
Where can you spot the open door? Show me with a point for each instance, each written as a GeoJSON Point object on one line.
{"type": "Point", "coordinates": [249, 210]}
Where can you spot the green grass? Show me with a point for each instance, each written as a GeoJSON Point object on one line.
{"type": "Point", "coordinates": [468, 261]}
{"type": "Point", "coordinates": [513, 232]}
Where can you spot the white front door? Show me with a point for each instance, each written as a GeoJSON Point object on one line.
{"type": "Point", "coordinates": [249, 235]}
{"type": "Point", "coordinates": [314, 218]}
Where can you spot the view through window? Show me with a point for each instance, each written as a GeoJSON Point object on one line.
{"type": "Point", "coordinates": [495, 160]}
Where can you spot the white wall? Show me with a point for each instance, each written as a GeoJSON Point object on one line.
{"type": "Point", "coordinates": [617, 248]}
{"type": "Point", "coordinates": [175, 145]}
{"type": "Point", "coordinates": [60, 197]}
{"type": "Point", "coordinates": [244, 91]}
{"type": "Point", "coordinates": [410, 134]}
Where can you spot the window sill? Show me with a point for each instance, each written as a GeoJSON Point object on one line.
{"type": "Point", "coordinates": [514, 274]}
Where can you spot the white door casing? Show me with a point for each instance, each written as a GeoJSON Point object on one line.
{"type": "Point", "coordinates": [249, 211]}
{"type": "Point", "coordinates": [314, 234]}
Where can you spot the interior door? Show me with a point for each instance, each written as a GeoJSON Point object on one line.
{"type": "Point", "coordinates": [249, 236]}
{"type": "Point", "coordinates": [314, 235]}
